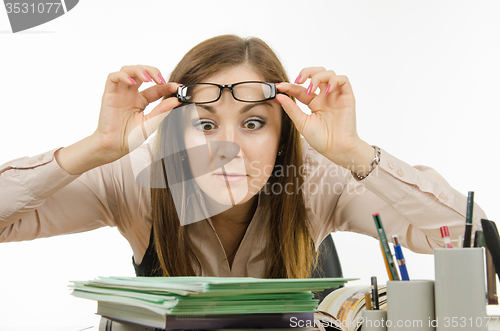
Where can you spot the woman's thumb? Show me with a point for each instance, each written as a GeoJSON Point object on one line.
{"type": "Point", "coordinates": [150, 123]}
{"type": "Point", "coordinates": [293, 111]}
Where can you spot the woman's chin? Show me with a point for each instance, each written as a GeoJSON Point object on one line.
{"type": "Point", "coordinates": [225, 199]}
{"type": "Point", "coordinates": [224, 196]}
{"type": "Point", "coordinates": [226, 193]}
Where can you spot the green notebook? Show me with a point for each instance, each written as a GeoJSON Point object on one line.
{"type": "Point", "coordinates": [207, 295]}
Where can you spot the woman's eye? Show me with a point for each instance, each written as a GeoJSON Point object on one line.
{"type": "Point", "coordinates": [253, 124]}
{"type": "Point", "coordinates": [205, 126]}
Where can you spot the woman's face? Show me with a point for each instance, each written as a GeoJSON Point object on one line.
{"type": "Point", "coordinates": [254, 127]}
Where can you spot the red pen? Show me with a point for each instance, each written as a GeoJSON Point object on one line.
{"type": "Point", "coordinates": [445, 234]}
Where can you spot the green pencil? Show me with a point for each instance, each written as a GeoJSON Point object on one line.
{"type": "Point", "coordinates": [385, 246]}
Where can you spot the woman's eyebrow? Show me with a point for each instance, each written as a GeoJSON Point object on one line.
{"type": "Point", "coordinates": [242, 110]}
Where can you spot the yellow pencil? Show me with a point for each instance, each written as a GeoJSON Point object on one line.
{"type": "Point", "coordinates": [386, 263]}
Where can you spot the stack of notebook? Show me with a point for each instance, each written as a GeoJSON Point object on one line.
{"type": "Point", "coordinates": [206, 302]}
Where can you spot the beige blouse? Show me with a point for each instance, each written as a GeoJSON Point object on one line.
{"type": "Point", "coordinates": [38, 199]}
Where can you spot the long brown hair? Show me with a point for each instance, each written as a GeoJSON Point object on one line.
{"type": "Point", "coordinates": [290, 247]}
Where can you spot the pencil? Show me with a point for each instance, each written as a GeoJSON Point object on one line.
{"type": "Point", "coordinates": [368, 301]}
{"type": "Point", "coordinates": [385, 246]}
{"type": "Point", "coordinates": [389, 273]}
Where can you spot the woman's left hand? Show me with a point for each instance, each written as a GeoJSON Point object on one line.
{"type": "Point", "coordinates": [331, 127]}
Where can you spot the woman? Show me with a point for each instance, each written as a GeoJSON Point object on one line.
{"type": "Point", "coordinates": [229, 188]}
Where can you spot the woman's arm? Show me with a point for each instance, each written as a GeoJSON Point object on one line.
{"type": "Point", "coordinates": [41, 196]}
{"type": "Point", "coordinates": [42, 200]}
{"type": "Point", "coordinates": [413, 202]}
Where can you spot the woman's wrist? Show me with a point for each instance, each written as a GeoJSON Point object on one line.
{"type": "Point", "coordinates": [373, 164]}
{"type": "Point", "coordinates": [83, 156]}
{"type": "Point", "coordinates": [359, 159]}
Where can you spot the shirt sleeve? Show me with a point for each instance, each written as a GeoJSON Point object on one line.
{"type": "Point", "coordinates": [413, 202]}
{"type": "Point", "coordinates": [39, 199]}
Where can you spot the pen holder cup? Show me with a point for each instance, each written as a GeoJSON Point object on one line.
{"type": "Point", "coordinates": [374, 320]}
{"type": "Point", "coordinates": [410, 305]}
{"type": "Point", "coordinates": [460, 289]}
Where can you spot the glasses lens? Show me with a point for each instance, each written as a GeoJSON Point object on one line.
{"type": "Point", "coordinates": [200, 93]}
{"type": "Point", "coordinates": [252, 92]}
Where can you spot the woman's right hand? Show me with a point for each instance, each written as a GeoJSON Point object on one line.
{"type": "Point", "coordinates": [122, 126]}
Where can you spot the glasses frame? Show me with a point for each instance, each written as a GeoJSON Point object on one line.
{"type": "Point", "coordinates": [181, 98]}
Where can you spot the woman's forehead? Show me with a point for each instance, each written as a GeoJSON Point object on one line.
{"type": "Point", "coordinates": [233, 75]}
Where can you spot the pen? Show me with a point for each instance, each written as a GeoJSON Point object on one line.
{"type": "Point", "coordinates": [375, 305]}
{"type": "Point", "coordinates": [400, 258]}
{"type": "Point", "coordinates": [478, 238]}
{"type": "Point", "coordinates": [460, 241]}
{"type": "Point", "coordinates": [385, 246]}
{"type": "Point", "coordinates": [445, 234]}
{"type": "Point", "coordinates": [468, 219]}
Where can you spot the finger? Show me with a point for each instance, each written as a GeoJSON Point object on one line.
{"type": "Point", "coordinates": [154, 73]}
{"type": "Point", "coordinates": [338, 82]}
{"type": "Point", "coordinates": [163, 107]}
{"type": "Point", "coordinates": [136, 72]}
{"type": "Point", "coordinates": [296, 91]}
{"type": "Point", "coordinates": [134, 75]}
{"type": "Point", "coordinates": [298, 117]}
{"type": "Point", "coordinates": [323, 80]}
{"type": "Point", "coordinates": [144, 73]}
{"type": "Point", "coordinates": [308, 73]}
{"type": "Point", "coordinates": [155, 92]}
{"type": "Point", "coordinates": [120, 77]}
{"type": "Point", "coordinates": [150, 123]}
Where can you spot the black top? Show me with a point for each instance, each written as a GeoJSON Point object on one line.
{"type": "Point", "coordinates": [150, 265]}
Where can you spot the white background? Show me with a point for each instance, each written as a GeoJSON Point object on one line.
{"type": "Point", "coordinates": [426, 75]}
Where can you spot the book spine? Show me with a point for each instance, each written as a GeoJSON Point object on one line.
{"type": "Point", "coordinates": [228, 321]}
{"type": "Point", "coordinates": [111, 325]}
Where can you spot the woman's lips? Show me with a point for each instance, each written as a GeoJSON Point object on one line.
{"type": "Point", "coordinates": [229, 177]}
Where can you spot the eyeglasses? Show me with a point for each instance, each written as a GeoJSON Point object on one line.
{"type": "Point", "coordinates": [252, 91]}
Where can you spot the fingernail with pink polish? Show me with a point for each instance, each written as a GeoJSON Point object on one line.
{"type": "Point", "coordinates": [309, 89]}
{"type": "Point", "coordinates": [327, 88]}
{"type": "Point", "coordinates": [162, 80]}
{"type": "Point", "coordinates": [132, 80]}
{"type": "Point", "coordinates": [277, 101]}
{"type": "Point", "coordinates": [297, 80]}
{"type": "Point", "coordinates": [148, 77]}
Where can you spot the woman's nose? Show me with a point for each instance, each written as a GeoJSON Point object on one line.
{"type": "Point", "coordinates": [223, 151]}
{"type": "Point", "coordinates": [227, 145]}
